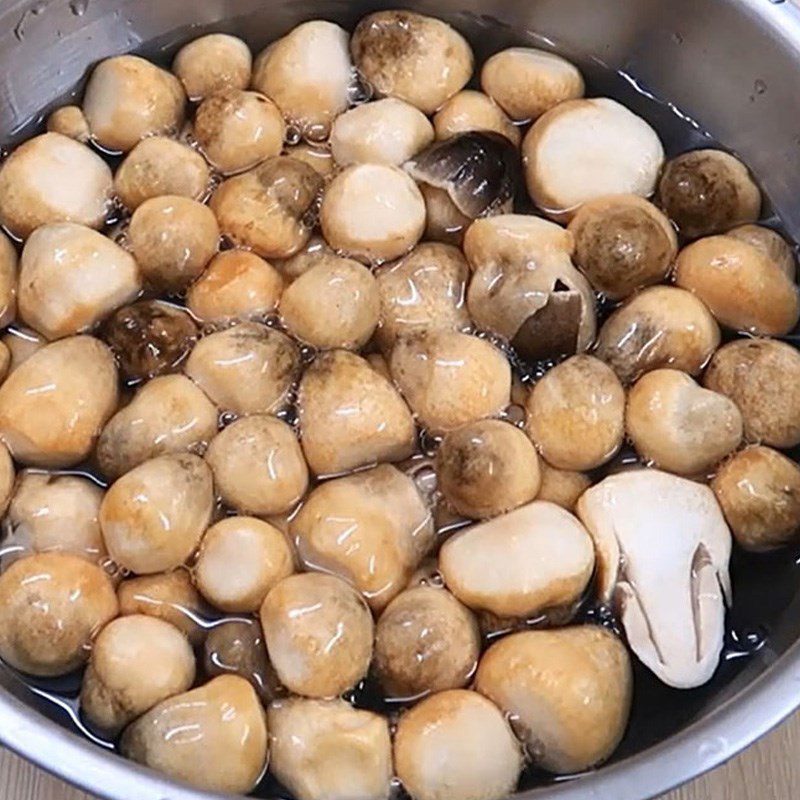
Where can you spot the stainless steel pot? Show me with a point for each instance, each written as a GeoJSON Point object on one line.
{"type": "Point", "coordinates": [732, 65]}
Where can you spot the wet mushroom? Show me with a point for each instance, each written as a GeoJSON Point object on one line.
{"type": "Point", "coordinates": [213, 737]}
{"type": "Point", "coordinates": [71, 277]}
{"type": "Point", "coordinates": [308, 74]}
{"type": "Point", "coordinates": [467, 733]}
{"type": "Point", "coordinates": [120, 683]}
{"type": "Point", "coordinates": [661, 326]}
{"type": "Point", "coordinates": [443, 221]}
{"type": "Point", "coordinates": [334, 438]}
{"type": "Point", "coordinates": [328, 750]}
{"type": "Point", "coordinates": [743, 287]}
{"type": "Point", "coordinates": [679, 426]}
{"type": "Point", "coordinates": [759, 492]}
{"type": "Point", "coordinates": [372, 212]}
{"type": "Point", "coordinates": [128, 98]}
{"type": "Point", "coordinates": [662, 558]}
{"type": "Point", "coordinates": [473, 111]}
{"type": "Point", "coordinates": [21, 343]}
{"type": "Point", "coordinates": [770, 243]}
{"type": "Point", "coordinates": [541, 558]}
{"type": "Point", "coordinates": [762, 376]}
{"type": "Point", "coordinates": [51, 606]}
{"type": "Point", "coordinates": [318, 631]}
{"type": "Point", "coordinates": [213, 63]}
{"type": "Point", "coordinates": [387, 131]}
{"type": "Point", "coordinates": [317, 155]}
{"type": "Point", "coordinates": [69, 121]}
{"type": "Point", "coordinates": [450, 378]}
{"type": "Point", "coordinates": [567, 693]}
{"type": "Point", "coordinates": [561, 486]}
{"type": "Point", "coordinates": [425, 641]}
{"type": "Point", "coordinates": [526, 82]}
{"type": "Point", "coordinates": [371, 528]}
{"type": "Point", "coordinates": [8, 281]}
{"type": "Point", "coordinates": [584, 149]}
{"type": "Point", "coordinates": [149, 338]}
{"type": "Point", "coordinates": [622, 243]}
{"type": "Point", "coordinates": [52, 178]}
{"type": "Point", "coordinates": [267, 208]}
{"type": "Point", "coordinates": [708, 191]}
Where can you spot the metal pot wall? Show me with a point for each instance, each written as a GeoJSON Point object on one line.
{"type": "Point", "coordinates": [731, 65]}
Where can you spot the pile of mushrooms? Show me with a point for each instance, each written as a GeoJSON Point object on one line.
{"type": "Point", "coordinates": [328, 407]}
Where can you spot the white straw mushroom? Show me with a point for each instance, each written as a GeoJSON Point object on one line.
{"type": "Point", "coordinates": [662, 557]}
{"type": "Point", "coordinates": [473, 111]}
{"type": "Point", "coordinates": [213, 63]}
{"type": "Point", "coordinates": [69, 121]}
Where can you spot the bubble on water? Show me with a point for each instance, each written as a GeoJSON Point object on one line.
{"type": "Point", "coordinates": [360, 90]}
{"type": "Point", "coordinates": [226, 418]}
{"type": "Point", "coordinates": [293, 135]}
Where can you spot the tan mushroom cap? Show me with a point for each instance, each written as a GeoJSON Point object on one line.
{"type": "Point", "coordinates": [415, 58]}
{"type": "Point", "coordinates": [742, 287]}
{"type": "Point", "coordinates": [308, 73]}
{"type": "Point", "coordinates": [567, 692]}
{"type": "Point", "coordinates": [120, 683]}
{"type": "Point", "coordinates": [335, 439]}
{"type": "Point", "coordinates": [317, 155]}
{"type": "Point", "coordinates": [128, 98]}
{"type": "Point", "coordinates": [69, 121]}
{"type": "Point", "coordinates": [561, 486]}
{"type": "Point", "coordinates": [622, 243]}
{"type": "Point", "coordinates": [154, 516]}
{"type": "Point", "coordinates": [770, 243]}
{"type": "Point", "coordinates": [470, 736]}
{"type": "Point", "coordinates": [759, 492]}
{"type": "Point", "coordinates": [52, 178]}
{"type": "Point", "coordinates": [487, 468]}
{"type": "Point", "coordinates": [54, 405]}
{"type": "Point", "coordinates": [213, 63]}
{"type": "Point", "coordinates": [444, 222]}
{"type": "Point", "coordinates": [157, 166]}
{"type": "Point", "coordinates": [318, 631]}
{"type": "Point", "coordinates": [213, 737]}
{"type": "Point", "coordinates": [71, 277]}
{"type": "Point", "coordinates": [372, 212]}
{"type": "Point", "coordinates": [576, 414]}
{"type": "Point", "coordinates": [661, 326]}
{"type": "Point", "coordinates": [541, 557]}
{"type": "Point", "coordinates": [266, 208]}
{"type": "Point", "coordinates": [328, 750]}
{"type": "Point", "coordinates": [670, 589]}
{"type": "Point", "coordinates": [51, 605]}
{"type": "Point", "coordinates": [762, 376]}
{"type": "Point", "coordinates": [388, 131]}
{"type": "Point", "coordinates": [679, 426]}
{"type": "Point", "coordinates": [473, 111]}
{"type": "Point", "coordinates": [526, 82]}
{"type": "Point", "coordinates": [371, 528]}
{"type": "Point", "coordinates": [8, 281]}
{"type": "Point", "coordinates": [584, 149]}
{"type": "Point", "coordinates": [708, 191]}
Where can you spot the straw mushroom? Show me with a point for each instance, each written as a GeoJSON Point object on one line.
{"type": "Point", "coordinates": [51, 606]}
{"type": "Point", "coordinates": [318, 631]}
{"type": "Point", "coordinates": [770, 243]}
{"type": "Point", "coordinates": [416, 58]}
{"type": "Point", "coordinates": [679, 426]}
{"type": "Point", "coordinates": [120, 682]}
{"type": "Point", "coordinates": [387, 131]}
{"type": "Point", "coordinates": [71, 277]}
{"type": "Point", "coordinates": [328, 750]}
{"type": "Point", "coordinates": [467, 733]}
{"type": "Point", "coordinates": [53, 406]}
{"type": "Point", "coordinates": [128, 98]}
{"type": "Point", "coordinates": [541, 557]}
{"type": "Point", "coordinates": [372, 212]}
{"type": "Point", "coordinates": [584, 149]}
{"type": "Point", "coordinates": [661, 326]}
{"type": "Point", "coordinates": [213, 737]}
{"type": "Point", "coordinates": [308, 74]}
{"type": "Point", "coordinates": [334, 438]}
{"type": "Point", "coordinates": [8, 281]}
{"type": "Point", "coordinates": [759, 492]}
{"type": "Point", "coordinates": [708, 191]}
{"type": "Point", "coordinates": [622, 243]}
{"type": "Point", "coordinates": [154, 516]}
{"type": "Point", "coordinates": [52, 178]}
{"type": "Point", "coordinates": [69, 121]}
{"type": "Point", "coordinates": [258, 466]}
{"type": "Point", "coordinates": [670, 587]}
{"type": "Point", "coordinates": [213, 63]}
{"type": "Point", "coordinates": [443, 221]}
{"type": "Point", "coordinates": [372, 528]}
{"type": "Point", "coordinates": [762, 376]}
{"type": "Point", "coordinates": [473, 111]}
{"type": "Point", "coordinates": [317, 155]}
{"type": "Point", "coordinates": [567, 692]}
{"type": "Point", "coordinates": [562, 486]}
{"type": "Point", "coordinates": [576, 414]}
